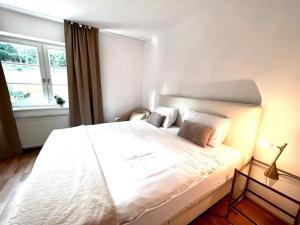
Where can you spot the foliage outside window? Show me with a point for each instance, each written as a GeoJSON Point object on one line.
{"type": "Point", "coordinates": [34, 72]}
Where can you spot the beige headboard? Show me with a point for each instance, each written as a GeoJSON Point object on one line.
{"type": "Point", "coordinates": [244, 118]}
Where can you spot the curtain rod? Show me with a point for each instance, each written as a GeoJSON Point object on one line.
{"type": "Point", "coordinates": [81, 25]}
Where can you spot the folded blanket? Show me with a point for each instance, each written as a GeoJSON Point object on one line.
{"type": "Point", "coordinates": [66, 186]}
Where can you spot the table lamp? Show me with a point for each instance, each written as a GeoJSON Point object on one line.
{"type": "Point", "coordinates": [272, 172]}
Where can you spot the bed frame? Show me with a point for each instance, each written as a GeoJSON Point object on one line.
{"type": "Point", "coordinates": [245, 120]}
{"type": "Point", "coordinates": [191, 212]}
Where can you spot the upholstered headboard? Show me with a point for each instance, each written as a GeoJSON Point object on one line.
{"type": "Point", "coordinates": [244, 118]}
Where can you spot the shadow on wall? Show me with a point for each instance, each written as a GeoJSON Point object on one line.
{"type": "Point", "coordinates": [242, 91]}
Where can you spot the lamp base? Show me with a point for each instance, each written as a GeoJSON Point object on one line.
{"type": "Point", "coordinates": [271, 172]}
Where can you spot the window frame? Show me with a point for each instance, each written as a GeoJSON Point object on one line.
{"type": "Point", "coordinates": [44, 67]}
{"type": "Point", "coordinates": [49, 83]}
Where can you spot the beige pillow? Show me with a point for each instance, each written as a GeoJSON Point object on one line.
{"type": "Point", "coordinates": [219, 124]}
{"type": "Point", "coordinates": [197, 133]}
{"type": "Point", "coordinates": [137, 116]}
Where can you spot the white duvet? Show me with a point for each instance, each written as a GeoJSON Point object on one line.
{"type": "Point", "coordinates": [143, 167]}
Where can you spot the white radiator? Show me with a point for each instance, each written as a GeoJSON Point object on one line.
{"type": "Point", "coordinates": [34, 131]}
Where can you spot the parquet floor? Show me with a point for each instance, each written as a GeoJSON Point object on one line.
{"type": "Point", "coordinates": [15, 170]}
{"type": "Point", "coordinates": [216, 215]}
{"type": "Point", "coordinates": [13, 173]}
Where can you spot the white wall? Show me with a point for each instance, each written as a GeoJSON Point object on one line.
{"type": "Point", "coordinates": [244, 51]}
{"type": "Point", "coordinates": [121, 59]}
{"type": "Point", "coordinates": [121, 64]}
{"type": "Point", "coordinates": [17, 23]}
{"type": "Point", "coordinates": [228, 50]}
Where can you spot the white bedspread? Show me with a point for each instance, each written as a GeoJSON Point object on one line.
{"type": "Point", "coordinates": [66, 185]}
{"type": "Point", "coordinates": [145, 166]}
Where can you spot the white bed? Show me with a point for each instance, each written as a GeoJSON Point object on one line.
{"type": "Point", "coordinates": [230, 159]}
{"type": "Point", "coordinates": [147, 168]}
{"type": "Point", "coordinates": [154, 177]}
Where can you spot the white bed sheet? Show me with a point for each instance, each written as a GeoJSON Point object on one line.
{"type": "Point", "coordinates": [156, 169]}
{"type": "Point", "coordinates": [165, 211]}
{"type": "Point", "coordinates": [171, 130]}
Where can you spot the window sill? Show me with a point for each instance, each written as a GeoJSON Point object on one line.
{"type": "Point", "coordinates": [41, 111]}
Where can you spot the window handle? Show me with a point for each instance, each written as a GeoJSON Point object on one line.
{"type": "Point", "coordinates": [43, 80]}
{"type": "Point", "coordinates": [49, 81]}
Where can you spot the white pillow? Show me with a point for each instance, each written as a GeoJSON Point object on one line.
{"type": "Point", "coordinates": [221, 125]}
{"type": "Point", "coordinates": [170, 113]}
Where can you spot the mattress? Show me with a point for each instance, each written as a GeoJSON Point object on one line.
{"type": "Point", "coordinates": [152, 173]}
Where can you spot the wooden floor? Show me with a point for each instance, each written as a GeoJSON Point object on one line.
{"type": "Point", "coordinates": [216, 215]}
{"type": "Point", "coordinates": [15, 170]}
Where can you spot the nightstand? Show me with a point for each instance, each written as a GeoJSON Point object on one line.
{"type": "Point", "coordinates": [250, 180]}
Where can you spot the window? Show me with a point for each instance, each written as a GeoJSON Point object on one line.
{"type": "Point", "coordinates": [35, 72]}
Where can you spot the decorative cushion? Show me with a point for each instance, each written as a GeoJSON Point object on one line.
{"type": "Point", "coordinates": [156, 119]}
{"type": "Point", "coordinates": [195, 132]}
{"type": "Point", "coordinates": [219, 124]}
{"type": "Point", "coordinates": [137, 116]}
{"type": "Point", "coordinates": [170, 113]}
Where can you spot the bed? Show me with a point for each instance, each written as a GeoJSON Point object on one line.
{"type": "Point", "coordinates": [134, 173]}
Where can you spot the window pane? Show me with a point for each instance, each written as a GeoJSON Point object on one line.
{"type": "Point", "coordinates": [20, 63]}
{"type": "Point", "coordinates": [17, 53]}
{"type": "Point", "coordinates": [58, 72]}
{"type": "Point", "coordinates": [59, 75]}
{"type": "Point", "coordinates": [61, 91]}
{"type": "Point", "coordinates": [21, 73]}
{"type": "Point", "coordinates": [26, 94]}
{"type": "Point", "coordinates": [58, 66]}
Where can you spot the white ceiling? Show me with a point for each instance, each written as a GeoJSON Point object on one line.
{"type": "Point", "coordinates": [136, 18]}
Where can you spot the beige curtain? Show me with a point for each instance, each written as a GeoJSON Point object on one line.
{"type": "Point", "coordinates": [9, 138]}
{"type": "Point", "coordinates": [82, 52]}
